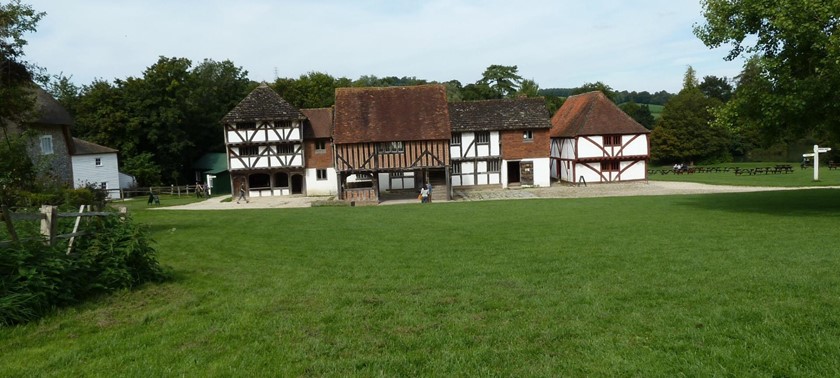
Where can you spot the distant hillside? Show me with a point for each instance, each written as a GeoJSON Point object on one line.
{"type": "Point", "coordinates": [644, 97]}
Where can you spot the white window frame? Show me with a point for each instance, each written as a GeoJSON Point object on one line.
{"type": "Point", "coordinates": [47, 145]}
{"type": "Point", "coordinates": [528, 135]}
{"type": "Point", "coordinates": [98, 162]}
{"type": "Point", "coordinates": [321, 174]}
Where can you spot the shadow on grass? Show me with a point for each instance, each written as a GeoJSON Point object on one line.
{"type": "Point", "coordinates": [810, 202]}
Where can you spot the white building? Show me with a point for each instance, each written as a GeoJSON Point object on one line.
{"type": "Point", "coordinates": [96, 165]}
{"type": "Point", "coordinates": [592, 140]}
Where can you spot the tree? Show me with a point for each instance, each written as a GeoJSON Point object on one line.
{"type": "Point", "coordinates": [528, 88]}
{"type": "Point", "coordinates": [690, 78]}
{"type": "Point", "coordinates": [717, 87]}
{"type": "Point", "coordinates": [685, 133]}
{"type": "Point", "coordinates": [796, 42]}
{"type": "Point", "coordinates": [315, 89]}
{"type": "Point", "coordinates": [596, 86]}
{"type": "Point", "coordinates": [640, 113]}
{"type": "Point", "coordinates": [503, 81]}
{"type": "Point", "coordinates": [16, 74]}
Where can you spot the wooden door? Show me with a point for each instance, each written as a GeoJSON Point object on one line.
{"type": "Point", "coordinates": [526, 172]}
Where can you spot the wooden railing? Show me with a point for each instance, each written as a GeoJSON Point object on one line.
{"type": "Point", "coordinates": [48, 216]}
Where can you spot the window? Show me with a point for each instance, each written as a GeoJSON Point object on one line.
{"type": "Point", "coordinates": [610, 166]}
{"type": "Point", "coordinates": [391, 148]}
{"type": "Point", "coordinates": [46, 145]}
{"type": "Point", "coordinates": [283, 124]}
{"type": "Point", "coordinates": [321, 146]}
{"type": "Point", "coordinates": [321, 174]}
{"type": "Point", "coordinates": [103, 185]}
{"type": "Point", "coordinates": [246, 125]}
{"type": "Point", "coordinates": [456, 168]}
{"type": "Point", "coordinates": [456, 139]}
{"type": "Point", "coordinates": [98, 162]}
{"type": "Point", "coordinates": [286, 149]}
{"type": "Point", "coordinates": [248, 151]}
{"type": "Point", "coordinates": [612, 140]}
{"type": "Point", "coordinates": [494, 166]}
{"type": "Point", "coordinates": [528, 135]}
{"type": "Point", "coordinates": [482, 137]}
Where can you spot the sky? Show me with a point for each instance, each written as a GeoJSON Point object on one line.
{"type": "Point", "coordinates": [643, 45]}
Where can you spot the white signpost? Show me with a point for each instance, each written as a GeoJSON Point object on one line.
{"type": "Point", "coordinates": [816, 155]}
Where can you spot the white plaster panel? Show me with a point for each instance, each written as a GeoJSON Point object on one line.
{"type": "Point", "coordinates": [315, 187]}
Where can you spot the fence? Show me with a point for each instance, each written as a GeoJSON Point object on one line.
{"type": "Point", "coordinates": [49, 216]}
{"type": "Point", "coordinates": [175, 190]}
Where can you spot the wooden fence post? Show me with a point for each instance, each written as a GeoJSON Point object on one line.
{"type": "Point", "coordinates": [49, 223]}
{"type": "Point", "coordinates": [7, 218]}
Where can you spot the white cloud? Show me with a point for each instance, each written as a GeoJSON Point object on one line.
{"type": "Point", "coordinates": [628, 45]}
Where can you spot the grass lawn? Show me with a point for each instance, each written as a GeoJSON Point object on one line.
{"type": "Point", "coordinates": [799, 177]}
{"type": "Point", "coordinates": [728, 284]}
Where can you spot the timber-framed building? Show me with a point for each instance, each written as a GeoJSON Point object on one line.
{"type": "Point", "coordinates": [391, 138]}
{"type": "Point", "coordinates": [264, 142]}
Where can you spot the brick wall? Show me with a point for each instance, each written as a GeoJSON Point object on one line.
{"type": "Point", "coordinates": [318, 159]}
{"type": "Point", "coordinates": [515, 147]}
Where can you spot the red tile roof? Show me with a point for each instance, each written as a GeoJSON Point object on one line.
{"type": "Point", "coordinates": [262, 104]}
{"type": "Point", "coordinates": [592, 113]}
{"type": "Point", "coordinates": [319, 124]}
{"type": "Point", "coordinates": [506, 114]}
{"type": "Point", "coordinates": [391, 114]}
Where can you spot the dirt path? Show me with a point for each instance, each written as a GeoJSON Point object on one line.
{"type": "Point", "coordinates": [650, 188]}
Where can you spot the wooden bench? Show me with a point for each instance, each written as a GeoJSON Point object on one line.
{"type": "Point", "coordinates": [783, 168]}
{"type": "Point", "coordinates": [739, 171]}
{"type": "Point", "coordinates": [833, 165]}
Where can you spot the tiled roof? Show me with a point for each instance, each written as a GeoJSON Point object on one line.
{"type": "Point", "coordinates": [391, 114]}
{"type": "Point", "coordinates": [262, 104]}
{"type": "Point", "coordinates": [84, 147]}
{"type": "Point", "coordinates": [319, 124]}
{"type": "Point", "coordinates": [592, 113]}
{"type": "Point", "coordinates": [507, 114]}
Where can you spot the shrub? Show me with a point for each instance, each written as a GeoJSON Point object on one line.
{"type": "Point", "coordinates": [35, 278]}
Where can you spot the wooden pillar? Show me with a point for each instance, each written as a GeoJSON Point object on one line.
{"type": "Point", "coordinates": [49, 223]}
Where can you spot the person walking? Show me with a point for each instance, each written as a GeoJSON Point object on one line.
{"type": "Point", "coordinates": [242, 193]}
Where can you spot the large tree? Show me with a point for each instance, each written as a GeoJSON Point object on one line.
{"type": "Point", "coordinates": [685, 133]}
{"type": "Point", "coordinates": [503, 81]}
{"type": "Point", "coordinates": [16, 74]}
{"type": "Point", "coordinates": [596, 86]}
{"type": "Point", "coordinates": [798, 45]}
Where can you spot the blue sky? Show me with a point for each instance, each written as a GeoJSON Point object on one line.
{"type": "Point", "coordinates": [639, 45]}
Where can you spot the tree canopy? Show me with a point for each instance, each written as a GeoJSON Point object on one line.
{"type": "Point", "coordinates": [796, 47]}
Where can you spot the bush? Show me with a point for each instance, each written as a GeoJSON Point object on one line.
{"type": "Point", "coordinates": [35, 278]}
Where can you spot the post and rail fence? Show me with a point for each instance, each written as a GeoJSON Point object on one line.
{"type": "Point", "coordinates": [48, 216]}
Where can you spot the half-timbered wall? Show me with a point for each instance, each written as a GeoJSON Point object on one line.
{"type": "Point", "coordinates": [476, 172]}
{"type": "Point", "coordinates": [267, 156]}
{"type": "Point", "coordinates": [416, 154]}
{"type": "Point", "coordinates": [589, 157]}
{"type": "Point", "coordinates": [468, 147]}
{"type": "Point", "coordinates": [262, 132]}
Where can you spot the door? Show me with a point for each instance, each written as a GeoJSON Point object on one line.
{"type": "Point", "coordinates": [526, 173]}
{"type": "Point", "coordinates": [297, 184]}
{"type": "Point", "coordinates": [513, 172]}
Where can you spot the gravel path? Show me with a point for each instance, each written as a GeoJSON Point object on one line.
{"type": "Point", "coordinates": [650, 188]}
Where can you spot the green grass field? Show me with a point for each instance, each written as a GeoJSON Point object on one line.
{"type": "Point", "coordinates": [700, 285]}
{"type": "Point", "coordinates": [799, 177]}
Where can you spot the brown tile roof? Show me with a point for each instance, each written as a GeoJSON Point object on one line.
{"type": "Point", "coordinates": [391, 114]}
{"type": "Point", "coordinates": [319, 123]}
{"type": "Point", "coordinates": [507, 114]}
{"type": "Point", "coordinates": [262, 104]}
{"type": "Point", "coordinates": [592, 113]}
{"type": "Point", "coordinates": [84, 147]}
